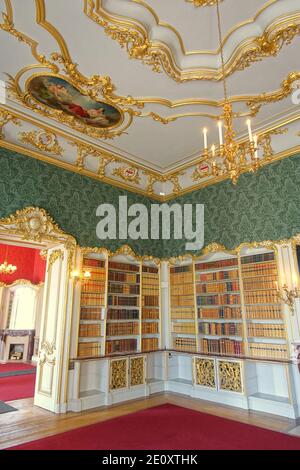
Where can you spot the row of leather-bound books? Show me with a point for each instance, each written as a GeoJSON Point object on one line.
{"type": "Point", "coordinates": [183, 313]}
{"type": "Point", "coordinates": [130, 289]}
{"type": "Point", "coordinates": [261, 297]}
{"type": "Point", "coordinates": [266, 330]}
{"type": "Point", "coordinates": [90, 349]}
{"type": "Point", "coordinates": [220, 313]}
{"type": "Point", "coordinates": [182, 301]}
{"type": "Point", "coordinates": [124, 277]}
{"type": "Point", "coordinates": [92, 286]}
{"type": "Point", "coordinates": [92, 313]}
{"type": "Point", "coordinates": [185, 344]}
{"type": "Point", "coordinates": [221, 329]}
{"type": "Point", "coordinates": [217, 276]}
{"type": "Point", "coordinates": [91, 330]}
{"type": "Point", "coordinates": [121, 346]}
{"type": "Point", "coordinates": [264, 312]}
{"type": "Point", "coordinates": [221, 346]}
{"type": "Point", "coordinates": [92, 299]}
{"type": "Point", "coordinates": [260, 283]}
{"type": "Point", "coordinates": [150, 328]}
{"type": "Point", "coordinates": [261, 269]}
{"type": "Point", "coordinates": [219, 299]}
{"type": "Point", "coordinates": [268, 350]}
{"type": "Point", "coordinates": [184, 328]}
{"type": "Point", "coordinates": [219, 287]}
{"type": "Point", "coordinates": [224, 263]}
{"type": "Point", "coordinates": [122, 314]}
{"type": "Point", "coordinates": [122, 329]}
{"type": "Point", "coordinates": [116, 300]}
{"type": "Point", "coordinates": [150, 313]}
{"type": "Point", "coordinates": [150, 344]}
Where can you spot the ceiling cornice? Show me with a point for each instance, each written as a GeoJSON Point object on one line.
{"type": "Point", "coordinates": [134, 36]}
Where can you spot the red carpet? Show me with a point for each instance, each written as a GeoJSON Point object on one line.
{"type": "Point", "coordinates": [14, 366]}
{"type": "Point", "coordinates": [166, 427]}
{"type": "Point", "coordinates": [17, 387]}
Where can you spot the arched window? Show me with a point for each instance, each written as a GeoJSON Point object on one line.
{"type": "Point", "coordinates": [23, 308]}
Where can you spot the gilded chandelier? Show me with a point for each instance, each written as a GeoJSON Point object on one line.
{"type": "Point", "coordinates": [230, 157]}
{"type": "Point", "coordinates": [6, 268]}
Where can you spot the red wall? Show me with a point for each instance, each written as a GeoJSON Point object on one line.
{"type": "Point", "coordinates": [29, 264]}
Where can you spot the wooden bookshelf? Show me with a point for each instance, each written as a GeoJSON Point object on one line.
{"type": "Point", "coordinates": [92, 308]}
{"type": "Point", "coordinates": [123, 308]}
{"type": "Point", "coordinates": [219, 311]}
{"type": "Point", "coordinates": [266, 328]}
{"type": "Point", "coordinates": [150, 308]}
{"type": "Point", "coordinates": [182, 308]}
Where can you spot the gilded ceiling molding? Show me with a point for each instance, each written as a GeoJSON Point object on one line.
{"type": "Point", "coordinates": [128, 173]}
{"type": "Point", "coordinates": [84, 151]}
{"type": "Point", "coordinates": [134, 37]}
{"type": "Point", "coordinates": [203, 3]}
{"type": "Point", "coordinates": [45, 141]}
{"type": "Point", "coordinates": [102, 86]}
{"type": "Point", "coordinates": [172, 178]}
{"type": "Point", "coordinates": [5, 118]}
{"type": "Point", "coordinates": [285, 90]}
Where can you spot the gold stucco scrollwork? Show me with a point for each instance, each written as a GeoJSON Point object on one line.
{"type": "Point", "coordinates": [5, 118]}
{"type": "Point", "coordinates": [203, 3]}
{"type": "Point", "coordinates": [230, 376]}
{"type": "Point", "coordinates": [42, 140]}
{"type": "Point", "coordinates": [137, 373]}
{"type": "Point", "coordinates": [33, 223]}
{"type": "Point", "coordinates": [128, 173]}
{"type": "Point", "coordinates": [205, 372]}
{"type": "Point", "coordinates": [118, 374]}
{"type": "Point", "coordinates": [47, 353]}
{"type": "Point", "coordinates": [54, 256]}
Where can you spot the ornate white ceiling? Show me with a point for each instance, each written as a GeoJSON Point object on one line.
{"type": "Point", "coordinates": [157, 63]}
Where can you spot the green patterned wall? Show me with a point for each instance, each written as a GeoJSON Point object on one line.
{"type": "Point", "coordinates": [263, 206]}
{"type": "Point", "coordinates": [71, 199]}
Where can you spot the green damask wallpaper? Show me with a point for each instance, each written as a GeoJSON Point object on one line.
{"type": "Point", "coordinates": [71, 199]}
{"type": "Point", "coordinates": [263, 206]}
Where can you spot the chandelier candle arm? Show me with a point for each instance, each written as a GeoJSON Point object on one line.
{"type": "Point", "coordinates": [220, 126]}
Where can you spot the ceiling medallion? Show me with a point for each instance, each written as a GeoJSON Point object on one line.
{"type": "Point", "coordinates": [230, 158]}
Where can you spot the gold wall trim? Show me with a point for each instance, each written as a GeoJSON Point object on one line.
{"type": "Point", "coordinates": [134, 37]}
{"type": "Point", "coordinates": [22, 282]}
{"type": "Point", "coordinates": [203, 3]}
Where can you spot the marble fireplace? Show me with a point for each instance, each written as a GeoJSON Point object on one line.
{"type": "Point", "coordinates": [16, 344]}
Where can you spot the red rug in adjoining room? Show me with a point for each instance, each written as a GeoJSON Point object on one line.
{"type": "Point", "coordinates": [15, 366]}
{"type": "Point", "coordinates": [166, 427]}
{"type": "Point", "coordinates": [17, 387]}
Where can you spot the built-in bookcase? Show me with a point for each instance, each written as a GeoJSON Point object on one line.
{"type": "Point", "coordinates": [266, 330]}
{"type": "Point", "coordinates": [151, 324]}
{"type": "Point", "coordinates": [123, 308]}
{"type": "Point", "coordinates": [92, 307]}
{"type": "Point", "coordinates": [183, 323]}
{"type": "Point", "coordinates": [119, 306]}
{"type": "Point", "coordinates": [219, 311]}
{"type": "Point", "coordinates": [236, 306]}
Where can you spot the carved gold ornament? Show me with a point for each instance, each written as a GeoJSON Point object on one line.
{"type": "Point", "coordinates": [54, 256]}
{"type": "Point", "coordinates": [47, 353]}
{"type": "Point", "coordinates": [137, 372]}
{"type": "Point", "coordinates": [118, 370]}
{"type": "Point", "coordinates": [45, 141]}
{"type": "Point", "coordinates": [84, 151]}
{"type": "Point", "coordinates": [205, 372]}
{"type": "Point", "coordinates": [203, 3]}
{"type": "Point", "coordinates": [129, 173]}
{"type": "Point", "coordinates": [22, 282]}
{"type": "Point", "coordinates": [33, 223]}
{"type": "Point", "coordinates": [230, 376]}
{"type": "Point", "coordinates": [134, 37]}
{"type": "Point", "coordinates": [5, 118]}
